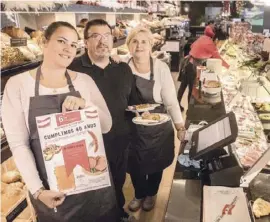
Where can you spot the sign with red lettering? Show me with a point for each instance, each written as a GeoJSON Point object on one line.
{"type": "Point", "coordinates": [67, 118]}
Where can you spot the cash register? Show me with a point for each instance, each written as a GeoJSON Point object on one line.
{"type": "Point", "coordinates": [213, 145]}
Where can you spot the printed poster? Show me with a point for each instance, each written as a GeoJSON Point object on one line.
{"type": "Point", "coordinates": [73, 151]}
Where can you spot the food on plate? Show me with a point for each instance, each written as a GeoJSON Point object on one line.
{"type": "Point", "coordinates": [64, 181]}
{"type": "Point", "coordinates": [261, 208]}
{"type": "Point", "coordinates": [151, 116]}
{"type": "Point", "coordinates": [142, 106]}
{"type": "Point", "coordinates": [212, 84]}
{"type": "Point", "coordinates": [11, 176]}
{"type": "Point", "coordinates": [264, 116]}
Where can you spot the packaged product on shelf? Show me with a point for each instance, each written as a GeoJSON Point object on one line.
{"type": "Point", "coordinates": [73, 151]}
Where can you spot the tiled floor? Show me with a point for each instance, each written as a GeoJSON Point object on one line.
{"type": "Point", "coordinates": [158, 213]}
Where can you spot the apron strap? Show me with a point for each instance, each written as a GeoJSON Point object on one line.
{"type": "Point", "coordinates": [151, 67]}
{"type": "Point", "coordinates": [70, 84]}
{"type": "Point", "coordinates": [129, 60]}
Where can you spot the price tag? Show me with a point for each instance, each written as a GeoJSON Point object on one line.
{"type": "Point", "coordinates": [16, 42]}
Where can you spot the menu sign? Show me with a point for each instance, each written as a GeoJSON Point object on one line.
{"type": "Point", "coordinates": [17, 42]}
{"type": "Point", "coordinates": [73, 151]}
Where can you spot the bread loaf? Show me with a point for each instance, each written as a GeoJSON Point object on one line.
{"type": "Point", "coordinates": [11, 176]}
{"type": "Point", "coordinates": [36, 34]}
{"type": "Point", "coordinates": [19, 185]}
{"type": "Point", "coordinates": [11, 56]}
{"type": "Point", "coordinates": [15, 32]}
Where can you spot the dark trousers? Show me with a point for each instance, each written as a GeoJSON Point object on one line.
{"type": "Point", "coordinates": [146, 185]}
{"type": "Point", "coordinates": [187, 79]}
{"type": "Point", "coordinates": [118, 164]}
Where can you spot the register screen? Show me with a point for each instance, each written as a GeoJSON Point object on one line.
{"type": "Point", "coordinates": [214, 133]}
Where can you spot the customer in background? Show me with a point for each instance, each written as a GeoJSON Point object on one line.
{"type": "Point", "coordinates": [117, 85]}
{"type": "Point", "coordinates": [52, 88]}
{"type": "Point", "coordinates": [201, 50]}
{"type": "Point", "coordinates": [152, 148]}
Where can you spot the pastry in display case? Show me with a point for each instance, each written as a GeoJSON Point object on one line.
{"type": "Point", "coordinates": [14, 195]}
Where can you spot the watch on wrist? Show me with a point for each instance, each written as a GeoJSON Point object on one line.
{"type": "Point", "coordinates": [36, 194]}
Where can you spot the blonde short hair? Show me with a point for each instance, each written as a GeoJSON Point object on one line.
{"type": "Point", "coordinates": [137, 30]}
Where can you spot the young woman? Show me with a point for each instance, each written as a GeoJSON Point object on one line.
{"type": "Point", "coordinates": [152, 148]}
{"type": "Point", "coordinates": [51, 88]}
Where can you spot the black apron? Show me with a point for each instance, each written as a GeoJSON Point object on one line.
{"type": "Point", "coordinates": [183, 73]}
{"type": "Point", "coordinates": [152, 148]}
{"type": "Point", "coordinates": [89, 206]}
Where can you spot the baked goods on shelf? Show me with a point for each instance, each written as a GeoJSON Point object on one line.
{"type": "Point", "coordinates": [15, 32]}
{"type": "Point", "coordinates": [11, 176]}
{"type": "Point", "coordinates": [11, 56]}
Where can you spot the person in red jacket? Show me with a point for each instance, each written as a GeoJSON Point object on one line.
{"type": "Point", "coordinates": [201, 50]}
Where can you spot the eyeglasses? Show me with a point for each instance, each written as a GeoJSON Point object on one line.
{"type": "Point", "coordinates": [97, 36]}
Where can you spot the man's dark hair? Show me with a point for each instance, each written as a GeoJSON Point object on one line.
{"type": "Point", "coordinates": [211, 22]}
{"type": "Point", "coordinates": [95, 22]}
{"type": "Point", "coordinates": [54, 26]}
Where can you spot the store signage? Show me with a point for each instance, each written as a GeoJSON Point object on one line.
{"type": "Point", "coordinates": [16, 42]}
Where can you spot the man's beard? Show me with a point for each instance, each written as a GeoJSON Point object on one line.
{"type": "Point", "coordinates": [102, 51]}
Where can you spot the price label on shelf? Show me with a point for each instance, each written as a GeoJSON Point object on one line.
{"type": "Point", "coordinates": [16, 42]}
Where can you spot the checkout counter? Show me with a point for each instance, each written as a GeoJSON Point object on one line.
{"type": "Point", "coordinates": [186, 197]}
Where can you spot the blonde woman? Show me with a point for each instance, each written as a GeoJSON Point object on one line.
{"type": "Point", "coordinates": [152, 147]}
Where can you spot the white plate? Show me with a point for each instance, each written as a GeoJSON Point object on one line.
{"type": "Point", "coordinates": [152, 107]}
{"type": "Point", "coordinates": [163, 118]}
